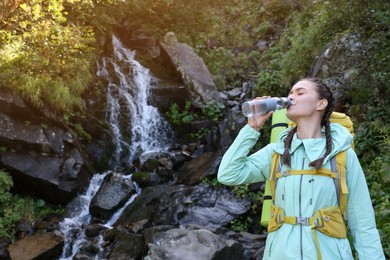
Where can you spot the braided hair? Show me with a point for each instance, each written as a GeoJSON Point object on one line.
{"type": "Point", "coordinates": [324, 92]}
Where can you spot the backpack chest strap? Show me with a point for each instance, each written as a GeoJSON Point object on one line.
{"type": "Point", "coordinates": [319, 172]}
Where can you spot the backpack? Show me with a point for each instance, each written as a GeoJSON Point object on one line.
{"type": "Point", "coordinates": [337, 172]}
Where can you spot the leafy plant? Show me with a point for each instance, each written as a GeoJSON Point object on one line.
{"type": "Point", "coordinates": [46, 58]}
{"type": "Point", "coordinates": [6, 182]}
{"type": "Point", "coordinates": [213, 111]}
{"type": "Point", "coordinates": [82, 133]}
{"type": "Point", "coordinates": [178, 117]}
{"type": "Point", "coordinates": [16, 208]}
{"type": "Point", "coordinates": [241, 223]}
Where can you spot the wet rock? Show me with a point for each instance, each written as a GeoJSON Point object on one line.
{"type": "Point", "coordinates": [93, 230]}
{"type": "Point", "coordinates": [112, 195]}
{"type": "Point", "coordinates": [180, 244]}
{"type": "Point", "coordinates": [124, 245]}
{"type": "Point", "coordinates": [211, 207]}
{"type": "Point", "coordinates": [203, 205]}
{"type": "Point", "coordinates": [146, 179]}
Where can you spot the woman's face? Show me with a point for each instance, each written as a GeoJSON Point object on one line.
{"type": "Point", "coordinates": [304, 101]}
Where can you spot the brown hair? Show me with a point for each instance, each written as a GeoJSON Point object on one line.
{"type": "Point", "coordinates": [324, 92]}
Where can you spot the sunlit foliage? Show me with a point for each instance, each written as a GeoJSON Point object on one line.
{"type": "Point", "coordinates": [44, 57]}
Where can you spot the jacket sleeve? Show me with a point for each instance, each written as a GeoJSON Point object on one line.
{"type": "Point", "coordinates": [360, 213]}
{"type": "Point", "coordinates": [237, 167]}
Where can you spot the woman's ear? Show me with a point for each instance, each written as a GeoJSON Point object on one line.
{"type": "Point", "coordinates": [322, 104]}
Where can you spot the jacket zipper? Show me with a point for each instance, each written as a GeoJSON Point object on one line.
{"type": "Point", "coordinates": [300, 208]}
{"type": "Point", "coordinates": [311, 188]}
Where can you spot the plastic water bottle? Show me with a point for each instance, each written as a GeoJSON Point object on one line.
{"type": "Point", "coordinates": [263, 106]}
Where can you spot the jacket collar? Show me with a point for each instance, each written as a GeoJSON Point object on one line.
{"type": "Point", "coordinates": [315, 147]}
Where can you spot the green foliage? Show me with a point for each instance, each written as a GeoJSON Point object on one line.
{"type": "Point", "coordinates": [213, 111]}
{"type": "Point", "coordinates": [373, 147]}
{"type": "Point", "coordinates": [268, 83]}
{"type": "Point", "coordinates": [212, 181]}
{"type": "Point", "coordinates": [6, 182]}
{"type": "Point", "coordinates": [82, 133]}
{"type": "Point", "coordinates": [241, 191]}
{"type": "Point", "coordinates": [47, 48]}
{"type": "Point", "coordinates": [185, 116]}
{"type": "Point", "coordinates": [16, 208]}
{"type": "Point", "coordinates": [200, 134]}
{"type": "Point", "coordinates": [44, 57]}
{"type": "Point", "coordinates": [241, 224]}
{"type": "Point", "coordinates": [244, 222]}
{"type": "Point", "coordinates": [13, 208]}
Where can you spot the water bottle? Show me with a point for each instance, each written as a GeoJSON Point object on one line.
{"type": "Point", "coordinates": [263, 106]}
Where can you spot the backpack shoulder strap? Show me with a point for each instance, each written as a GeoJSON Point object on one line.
{"type": "Point", "coordinates": [338, 165]}
{"type": "Point", "coordinates": [341, 161]}
{"type": "Point", "coordinates": [275, 168]}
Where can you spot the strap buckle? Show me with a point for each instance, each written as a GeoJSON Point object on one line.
{"type": "Point", "coordinates": [284, 173]}
{"type": "Point", "coordinates": [303, 221]}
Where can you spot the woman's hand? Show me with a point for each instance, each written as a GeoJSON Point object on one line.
{"type": "Point", "coordinates": [257, 121]}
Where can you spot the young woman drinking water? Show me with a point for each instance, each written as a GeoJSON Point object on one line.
{"type": "Point", "coordinates": [306, 222]}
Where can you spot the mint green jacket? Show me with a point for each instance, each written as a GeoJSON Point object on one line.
{"type": "Point", "coordinates": [303, 195]}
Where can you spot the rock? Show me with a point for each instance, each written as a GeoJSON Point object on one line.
{"type": "Point", "coordinates": [210, 207]}
{"type": "Point", "coordinates": [339, 64]}
{"type": "Point", "coordinates": [194, 171]}
{"type": "Point", "coordinates": [177, 244]}
{"type": "Point", "coordinates": [39, 153]}
{"type": "Point", "coordinates": [202, 205]}
{"type": "Point", "coordinates": [93, 230]}
{"type": "Point", "coordinates": [4, 254]}
{"type": "Point", "coordinates": [113, 194]}
{"type": "Point", "coordinates": [37, 246]}
{"type": "Point", "coordinates": [138, 40]}
{"type": "Point", "coordinates": [193, 71]}
{"type": "Point", "coordinates": [146, 179]}
{"type": "Point", "coordinates": [164, 93]}
{"type": "Point", "coordinates": [234, 93]}
{"type": "Point", "coordinates": [124, 245]}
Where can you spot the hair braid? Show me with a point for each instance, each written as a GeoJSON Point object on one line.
{"type": "Point", "coordinates": [286, 158]}
{"type": "Point", "coordinates": [325, 120]}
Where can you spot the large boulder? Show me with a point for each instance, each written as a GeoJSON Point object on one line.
{"type": "Point", "coordinates": [193, 70]}
{"type": "Point", "coordinates": [40, 154]}
{"type": "Point", "coordinates": [197, 242]}
{"type": "Point", "coordinates": [339, 65]}
{"type": "Point", "coordinates": [179, 244]}
{"type": "Point", "coordinates": [202, 205]}
{"type": "Point", "coordinates": [112, 194]}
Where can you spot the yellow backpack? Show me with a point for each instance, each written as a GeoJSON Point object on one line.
{"type": "Point", "coordinates": [338, 165]}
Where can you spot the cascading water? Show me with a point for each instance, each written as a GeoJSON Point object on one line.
{"type": "Point", "coordinates": [73, 227]}
{"type": "Point", "coordinates": [137, 129]}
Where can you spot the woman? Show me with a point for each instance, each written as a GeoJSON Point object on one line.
{"type": "Point", "coordinates": [309, 145]}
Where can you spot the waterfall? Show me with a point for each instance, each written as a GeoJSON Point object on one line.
{"type": "Point", "coordinates": [73, 227]}
{"type": "Point", "coordinates": [137, 127]}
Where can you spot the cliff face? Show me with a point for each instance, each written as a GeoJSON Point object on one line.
{"type": "Point", "coordinates": [39, 153]}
